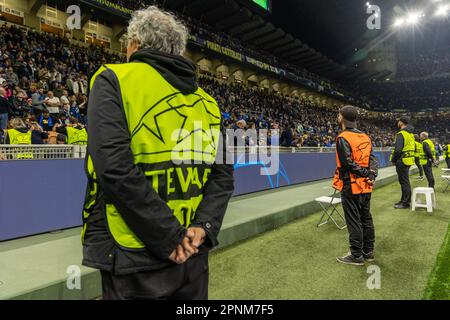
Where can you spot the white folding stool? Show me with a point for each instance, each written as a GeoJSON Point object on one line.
{"type": "Point", "coordinates": [329, 207]}
{"type": "Point", "coordinates": [447, 179]}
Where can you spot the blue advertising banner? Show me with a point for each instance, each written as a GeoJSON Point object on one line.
{"type": "Point", "coordinates": [47, 195]}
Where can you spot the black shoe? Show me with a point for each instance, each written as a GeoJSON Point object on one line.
{"type": "Point", "coordinates": [401, 206]}
{"type": "Point", "coordinates": [396, 204]}
{"type": "Point", "coordinates": [351, 259]}
{"type": "Point", "coordinates": [369, 257]}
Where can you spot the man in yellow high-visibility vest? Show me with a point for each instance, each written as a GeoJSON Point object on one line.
{"type": "Point", "coordinates": [155, 200]}
{"type": "Point", "coordinates": [403, 159]}
{"type": "Point", "coordinates": [447, 154]}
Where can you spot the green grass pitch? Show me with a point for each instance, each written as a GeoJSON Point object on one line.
{"type": "Point", "coordinates": [297, 261]}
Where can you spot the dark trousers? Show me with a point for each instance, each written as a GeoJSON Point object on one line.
{"type": "Point", "coordinates": [403, 179]}
{"type": "Point", "coordinates": [419, 166]}
{"type": "Point", "coordinates": [428, 168]}
{"type": "Point", "coordinates": [448, 162]}
{"type": "Point", "coordinates": [359, 222]}
{"type": "Point", "coordinates": [188, 281]}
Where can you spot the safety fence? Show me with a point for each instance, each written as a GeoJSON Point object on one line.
{"type": "Point", "coordinates": [46, 152]}
{"type": "Point", "coordinates": [41, 152]}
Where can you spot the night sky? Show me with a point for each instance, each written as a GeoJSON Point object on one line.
{"type": "Point", "coordinates": [337, 27]}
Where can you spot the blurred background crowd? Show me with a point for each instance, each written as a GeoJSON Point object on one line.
{"type": "Point", "coordinates": [44, 81]}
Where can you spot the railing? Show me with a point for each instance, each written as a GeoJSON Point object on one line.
{"type": "Point", "coordinates": [41, 152]}
{"type": "Point", "coordinates": [268, 149]}
{"type": "Point", "coordinates": [45, 152]}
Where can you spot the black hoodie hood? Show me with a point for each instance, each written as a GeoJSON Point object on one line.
{"type": "Point", "coordinates": [22, 130]}
{"type": "Point", "coordinates": [409, 128]}
{"type": "Point", "coordinates": [178, 71]}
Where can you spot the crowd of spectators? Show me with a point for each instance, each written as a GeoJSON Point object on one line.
{"type": "Point", "coordinates": [301, 122]}
{"type": "Point", "coordinates": [423, 62]}
{"type": "Point", "coordinates": [418, 94]}
{"type": "Point", "coordinates": [43, 78]}
{"type": "Point", "coordinates": [304, 123]}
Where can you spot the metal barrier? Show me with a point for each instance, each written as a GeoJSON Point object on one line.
{"type": "Point", "coordinates": [44, 152]}
{"type": "Point", "coordinates": [41, 152]}
{"type": "Point", "coordinates": [268, 149]}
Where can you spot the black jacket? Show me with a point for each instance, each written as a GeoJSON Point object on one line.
{"type": "Point", "coordinates": [427, 151]}
{"type": "Point", "coordinates": [125, 185]}
{"type": "Point", "coordinates": [5, 106]}
{"type": "Point", "coordinates": [348, 166]}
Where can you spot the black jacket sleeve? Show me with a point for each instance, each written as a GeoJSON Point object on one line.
{"type": "Point", "coordinates": [399, 143]}
{"type": "Point", "coordinates": [124, 184]}
{"type": "Point", "coordinates": [345, 157]}
{"type": "Point", "coordinates": [373, 167]}
{"type": "Point", "coordinates": [427, 151]}
{"type": "Point", "coordinates": [217, 193]}
{"type": "Point", "coordinates": [61, 130]}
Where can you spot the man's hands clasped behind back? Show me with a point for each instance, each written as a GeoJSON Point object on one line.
{"type": "Point", "coordinates": [190, 245]}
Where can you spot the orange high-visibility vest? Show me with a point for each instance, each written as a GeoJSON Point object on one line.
{"type": "Point", "coordinates": [361, 146]}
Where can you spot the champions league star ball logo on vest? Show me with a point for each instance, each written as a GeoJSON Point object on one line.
{"type": "Point", "coordinates": [173, 131]}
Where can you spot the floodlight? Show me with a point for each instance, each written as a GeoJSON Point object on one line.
{"type": "Point", "coordinates": [413, 18]}
{"type": "Point", "coordinates": [399, 22]}
{"type": "Point", "coordinates": [442, 11]}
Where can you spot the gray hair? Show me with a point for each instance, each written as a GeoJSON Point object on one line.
{"type": "Point", "coordinates": [17, 123]}
{"type": "Point", "coordinates": [424, 135]}
{"type": "Point", "coordinates": [158, 30]}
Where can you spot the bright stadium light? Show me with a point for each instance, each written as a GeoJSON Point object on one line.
{"type": "Point", "coordinates": [413, 18]}
{"type": "Point", "coordinates": [442, 11]}
{"type": "Point", "coordinates": [399, 22]}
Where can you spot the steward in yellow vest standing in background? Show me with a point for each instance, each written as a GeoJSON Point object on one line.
{"type": "Point", "coordinates": [447, 155]}
{"type": "Point", "coordinates": [357, 169]}
{"type": "Point", "coordinates": [403, 157]}
{"type": "Point", "coordinates": [76, 133]}
{"type": "Point", "coordinates": [157, 187]}
{"type": "Point", "coordinates": [19, 134]}
{"type": "Point", "coordinates": [429, 157]}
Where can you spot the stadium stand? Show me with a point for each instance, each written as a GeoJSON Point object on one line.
{"type": "Point", "coordinates": [35, 65]}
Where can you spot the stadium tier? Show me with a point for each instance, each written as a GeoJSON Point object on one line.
{"type": "Point", "coordinates": [224, 149]}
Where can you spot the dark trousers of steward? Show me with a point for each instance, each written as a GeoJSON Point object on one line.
{"type": "Point", "coordinates": [359, 222]}
{"type": "Point", "coordinates": [403, 179]}
{"type": "Point", "coordinates": [188, 281]}
{"type": "Point", "coordinates": [428, 168]}
{"type": "Point", "coordinates": [419, 166]}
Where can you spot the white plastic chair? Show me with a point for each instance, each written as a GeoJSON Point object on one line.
{"type": "Point", "coordinates": [430, 199]}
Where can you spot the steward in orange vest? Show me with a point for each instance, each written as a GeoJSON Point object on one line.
{"type": "Point", "coordinates": [356, 171]}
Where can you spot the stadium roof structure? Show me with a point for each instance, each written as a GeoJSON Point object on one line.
{"type": "Point", "coordinates": [231, 17]}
